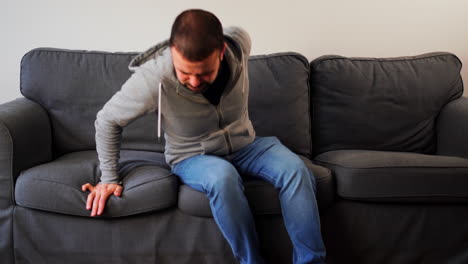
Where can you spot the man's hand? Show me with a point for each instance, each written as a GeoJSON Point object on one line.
{"type": "Point", "coordinates": [99, 194]}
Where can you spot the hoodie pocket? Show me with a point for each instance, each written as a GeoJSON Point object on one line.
{"type": "Point", "coordinates": [215, 145]}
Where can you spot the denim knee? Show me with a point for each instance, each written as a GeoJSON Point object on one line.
{"type": "Point", "coordinates": [296, 175]}
{"type": "Point", "coordinates": [224, 182]}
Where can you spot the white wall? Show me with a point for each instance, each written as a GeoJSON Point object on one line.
{"type": "Point", "coordinates": [370, 28]}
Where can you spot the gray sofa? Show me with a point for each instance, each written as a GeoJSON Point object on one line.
{"type": "Point", "coordinates": [385, 138]}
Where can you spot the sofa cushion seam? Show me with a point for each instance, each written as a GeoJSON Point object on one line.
{"type": "Point", "coordinates": [11, 155]}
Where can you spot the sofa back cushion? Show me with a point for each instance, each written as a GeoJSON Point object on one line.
{"type": "Point", "coordinates": [74, 85]}
{"type": "Point", "coordinates": [279, 99]}
{"type": "Point", "coordinates": [381, 104]}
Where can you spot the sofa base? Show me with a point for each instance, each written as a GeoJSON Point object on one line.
{"type": "Point", "coordinates": [163, 237]}
{"type": "Point", "coordinates": [6, 235]}
{"type": "Point", "coordinates": [169, 236]}
{"type": "Point", "coordinates": [359, 232]}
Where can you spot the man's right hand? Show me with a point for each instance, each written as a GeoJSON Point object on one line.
{"type": "Point", "coordinates": [99, 194]}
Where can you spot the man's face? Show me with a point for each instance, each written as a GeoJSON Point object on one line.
{"type": "Point", "coordinates": [197, 75]}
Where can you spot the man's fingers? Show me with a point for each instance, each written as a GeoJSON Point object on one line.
{"type": "Point", "coordinates": [97, 199]}
{"type": "Point", "coordinates": [90, 200]}
{"type": "Point", "coordinates": [102, 202]}
{"type": "Point", "coordinates": [88, 187]}
{"type": "Point", "coordinates": [118, 191]}
{"type": "Point", "coordinates": [95, 204]}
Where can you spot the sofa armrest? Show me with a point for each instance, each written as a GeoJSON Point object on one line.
{"type": "Point", "coordinates": [452, 129]}
{"type": "Point", "coordinates": [25, 141]}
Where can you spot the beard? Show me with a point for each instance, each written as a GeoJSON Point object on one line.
{"type": "Point", "coordinates": [199, 89]}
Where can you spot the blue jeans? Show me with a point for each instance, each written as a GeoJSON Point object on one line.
{"type": "Point", "coordinates": [267, 159]}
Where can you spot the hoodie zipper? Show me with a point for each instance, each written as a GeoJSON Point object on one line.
{"type": "Point", "coordinates": [219, 113]}
{"type": "Point", "coordinates": [218, 108]}
{"type": "Point", "coordinates": [220, 124]}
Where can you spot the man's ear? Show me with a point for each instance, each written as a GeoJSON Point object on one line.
{"type": "Point", "coordinates": [222, 51]}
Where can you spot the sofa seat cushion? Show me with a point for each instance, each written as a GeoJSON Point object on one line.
{"type": "Point", "coordinates": [262, 196]}
{"type": "Point", "coordinates": [56, 186]}
{"type": "Point", "coordinates": [397, 176]}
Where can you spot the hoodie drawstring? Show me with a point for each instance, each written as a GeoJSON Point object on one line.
{"type": "Point", "coordinates": [159, 112]}
{"type": "Point", "coordinates": [244, 69]}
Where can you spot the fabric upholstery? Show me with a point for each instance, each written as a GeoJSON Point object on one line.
{"type": "Point", "coordinates": [374, 123]}
{"type": "Point", "coordinates": [56, 186]}
{"type": "Point", "coordinates": [452, 128]}
{"type": "Point", "coordinates": [166, 236]}
{"type": "Point", "coordinates": [148, 186]}
{"type": "Point", "coordinates": [370, 233]}
{"type": "Point", "coordinates": [6, 239]}
{"type": "Point", "coordinates": [397, 176]}
{"type": "Point", "coordinates": [25, 141]}
{"type": "Point", "coordinates": [279, 99]}
{"type": "Point", "coordinates": [381, 104]}
{"type": "Point", "coordinates": [73, 86]}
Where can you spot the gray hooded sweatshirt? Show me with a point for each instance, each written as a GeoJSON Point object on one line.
{"type": "Point", "coordinates": [192, 125]}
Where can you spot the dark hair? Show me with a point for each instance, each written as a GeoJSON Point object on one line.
{"type": "Point", "coordinates": [196, 34]}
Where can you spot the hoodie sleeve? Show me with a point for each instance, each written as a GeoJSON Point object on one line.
{"type": "Point", "coordinates": [240, 36]}
{"type": "Point", "coordinates": [134, 100]}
